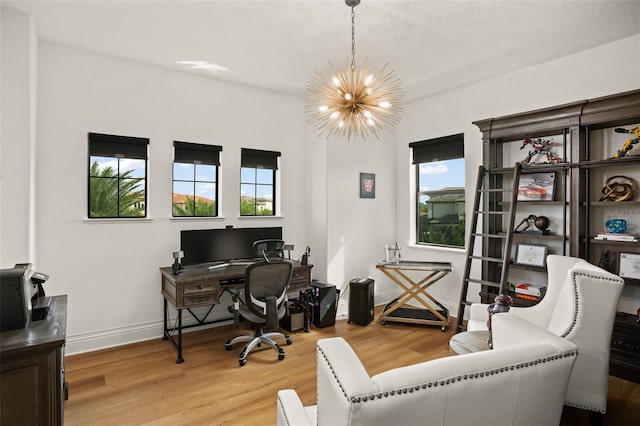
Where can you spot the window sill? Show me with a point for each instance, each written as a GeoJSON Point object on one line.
{"type": "Point", "coordinates": [117, 219]}
{"type": "Point", "coordinates": [259, 217]}
{"type": "Point", "coordinates": [195, 218]}
{"type": "Point", "coordinates": [460, 250]}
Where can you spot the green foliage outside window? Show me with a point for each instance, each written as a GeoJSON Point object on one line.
{"type": "Point", "coordinates": [443, 234]}
{"type": "Point", "coordinates": [249, 207]}
{"type": "Point", "coordinates": [192, 207]}
{"type": "Point", "coordinates": [113, 195]}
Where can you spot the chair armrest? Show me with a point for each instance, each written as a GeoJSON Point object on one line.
{"type": "Point", "coordinates": [290, 409]}
{"type": "Point", "coordinates": [510, 330]}
{"type": "Point", "coordinates": [478, 316]}
{"type": "Point", "coordinates": [341, 377]}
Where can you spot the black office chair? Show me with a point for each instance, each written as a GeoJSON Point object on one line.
{"type": "Point", "coordinates": [269, 249]}
{"type": "Point", "coordinates": [265, 303]}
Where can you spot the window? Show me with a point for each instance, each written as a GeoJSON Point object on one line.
{"type": "Point", "coordinates": [440, 190]}
{"type": "Point", "coordinates": [258, 182]}
{"type": "Point", "coordinates": [117, 176]}
{"type": "Point", "coordinates": [195, 179]}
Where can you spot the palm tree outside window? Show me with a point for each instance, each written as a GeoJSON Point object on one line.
{"type": "Point", "coordinates": [117, 176]}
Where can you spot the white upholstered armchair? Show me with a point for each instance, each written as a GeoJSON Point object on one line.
{"type": "Point", "coordinates": [579, 305]}
{"type": "Point", "coordinates": [519, 384]}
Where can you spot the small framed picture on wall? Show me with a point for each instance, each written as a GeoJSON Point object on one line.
{"type": "Point", "coordinates": [367, 185]}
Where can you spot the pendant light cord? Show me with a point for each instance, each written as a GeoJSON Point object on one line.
{"type": "Point", "coordinates": [353, 39]}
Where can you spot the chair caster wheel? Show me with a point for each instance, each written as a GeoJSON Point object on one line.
{"type": "Point", "coordinates": [242, 362]}
{"type": "Point", "coordinates": [227, 346]}
{"type": "Point", "coordinates": [289, 341]}
{"type": "Point", "coordinates": [280, 357]}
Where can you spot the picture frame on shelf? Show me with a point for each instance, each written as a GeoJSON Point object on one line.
{"type": "Point", "coordinates": [531, 255]}
{"type": "Point", "coordinates": [536, 186]}
{"type": "Point", "coordinates": [629, 265]}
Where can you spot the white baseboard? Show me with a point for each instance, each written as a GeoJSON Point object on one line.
{"type": "Point", "coordinates": [103, 339]}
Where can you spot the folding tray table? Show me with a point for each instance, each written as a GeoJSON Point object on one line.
{"type": "Point", "coordinates": [427, 310]}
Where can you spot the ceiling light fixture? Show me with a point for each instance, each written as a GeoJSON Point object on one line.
{"type": "Point", "coordinates": [353, 101]}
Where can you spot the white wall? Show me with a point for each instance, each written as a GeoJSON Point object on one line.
{"type": "Point", "coordinates": [597, 72]}
{"type": "Point", "coordinates": [109, 269]}
{"type": "Point", "coordinates": [18, 62]}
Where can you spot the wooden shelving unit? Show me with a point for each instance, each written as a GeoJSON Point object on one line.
{"type": "Point", "coordinates": [584, 137]}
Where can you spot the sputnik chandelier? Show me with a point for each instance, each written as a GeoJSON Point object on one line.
{"type": "Point", "coordinates": [353, 101]}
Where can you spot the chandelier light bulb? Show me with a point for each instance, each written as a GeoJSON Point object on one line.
{"type": "Point", "coordinates": [361, 97]}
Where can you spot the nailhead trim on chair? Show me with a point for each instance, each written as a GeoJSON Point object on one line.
{"type": "Point", "coordinates": [584, 407]}
{"type": "Point", "coordinates": [365, 398]}
{"type": "Point", "coordinates": [574, 283]}
{"type": "Point", "coordinates": [574, 322]}
{"type": "Point", "coordinates": [284, 412]}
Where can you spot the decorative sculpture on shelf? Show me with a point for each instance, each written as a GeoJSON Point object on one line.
{"type": "Point", "coordinates": [540, 147]}
{"type": "Point", "coordinates": [540, 222]}
{"type": "Point", "coordinates": [622, 189]}
{"type": "Point", "coordinates": [628, 145]}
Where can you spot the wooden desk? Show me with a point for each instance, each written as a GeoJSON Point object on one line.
{"type": "Point", "coordinates": [198, 286]}
{"type": "Point", "coordinates": [423, 312]}
{"type": "Point", "coordinates": [32, 386]}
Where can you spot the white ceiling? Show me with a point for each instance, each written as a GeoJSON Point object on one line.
{"type": "Point", "coordinates": [277, 44]}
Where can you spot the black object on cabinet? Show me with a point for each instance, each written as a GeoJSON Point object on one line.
{"type": "Point", "coordinates": [361, 301]}
{"type": "Point", "coordinates": [324, 304]}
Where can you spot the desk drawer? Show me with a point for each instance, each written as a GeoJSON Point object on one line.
{"type": "Point", "coordinates": [201, 287]}
{"type": "Point", "coordinates": [300, 279]}
{"type": "Point", "coordinates": [200, 299]}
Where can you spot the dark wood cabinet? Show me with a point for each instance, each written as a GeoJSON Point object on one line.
{"type": "Point", "coordinates": [625, 348]}
{"type": "Point", "coordinates": [32, 386]}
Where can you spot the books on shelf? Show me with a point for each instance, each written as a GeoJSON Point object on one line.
{"type": "Point", "coordinates": [616, 237]}
{"type": "Point", "coordinates": [526, 289]}
{"type": "Point", "coordinates": [528, 297]}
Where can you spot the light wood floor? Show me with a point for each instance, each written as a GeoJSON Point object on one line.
{"type": "Point", "coordinates": [141, 384]}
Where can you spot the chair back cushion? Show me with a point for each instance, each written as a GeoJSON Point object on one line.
{"type": "Point", "coordinates": [267, 280]}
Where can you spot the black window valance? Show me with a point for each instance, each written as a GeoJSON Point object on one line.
{"type": "Point", "coordinates": [102, 145]}
{"type": "Point", "coordinates": [438, 149]}
{"type": "Point", "coordinates": [260, 159]}
{"type": "Point", "coordinates": [196, 153]}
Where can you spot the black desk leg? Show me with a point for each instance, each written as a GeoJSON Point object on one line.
{"type": "Point", "coordinates": [179, 360]}
{"type": "Point", "coordinates": [165, 333]}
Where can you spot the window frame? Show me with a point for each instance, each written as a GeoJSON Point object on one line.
{"type": "Point", "coordinates": [259, 160]}
{"type": "Point", "coordinates": [196, 154]}
{"type": "Point", "coordinates": [117, 147]}
{"type": "Point", "coordinates": [430, 151]}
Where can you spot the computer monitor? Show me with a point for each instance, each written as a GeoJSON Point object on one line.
{"type": "Point", "coordinates": [223, 245]}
